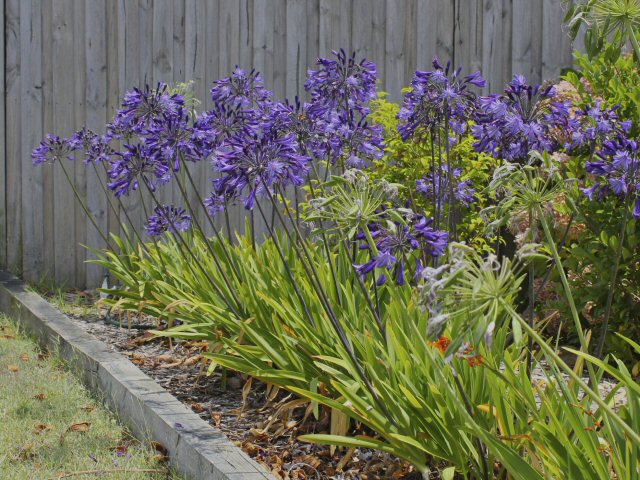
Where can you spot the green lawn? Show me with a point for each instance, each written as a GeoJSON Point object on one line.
{"type": "Point", "coordinates": [52, 428]}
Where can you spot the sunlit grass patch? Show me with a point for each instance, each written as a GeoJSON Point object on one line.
{"type": "Point", "coordinates": [52, 427]}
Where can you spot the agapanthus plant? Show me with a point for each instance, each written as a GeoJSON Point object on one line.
{"type": "Point", "coordinates": [52, 149]}
{"type": "Point", "coordinates": [435, 187]}
{"type": "Point", "coordinates": [436, 98]}
{"type": "Point", "coordinates": [240, 89]}
{"type": "Point", "coordinates": [523, 119]}
{"type": "Point", "coordinates": [342, 84]}
{"type": "Point", "coordinates": [400, 245]}
{"type": "Point", "coordinates": [253, 166]}
{"type": "Point", "coordinates": [617, 171]}
{"type": "Point", "coordinates": [167, 218]}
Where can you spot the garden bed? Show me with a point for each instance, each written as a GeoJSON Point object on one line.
{"type": "Point", "coordinates": [241, 410]}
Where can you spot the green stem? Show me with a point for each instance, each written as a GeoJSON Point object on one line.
{"type": "Point", "coordinates": [614, 277]}
{"type": "Point", "coordinates": [567, 289]}
{"type": "Point", "coordinates": [84, 207]}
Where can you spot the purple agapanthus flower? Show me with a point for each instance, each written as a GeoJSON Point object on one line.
{"type": "Point", "coordinates": [437, 97]}
{"type": "Point", "coordinates": [510, 125]}
{"type": "Point", "coordinates": [222, 123]}
{"type": "Point", "coordinates": [312, 132]}
{"type": "Point", "coordinates": [135, 164]}
{"type": "Point", "coordinates": [240, 89]}
{"type": "Point", "coordinates": [435, 186]}
{"type": "Point", "coordinates": [341, 84]}
{"type": "Point", "coordinates": [359, 142]}
{"type": "Point", "coordinates": [168, 218]}
{"type": "Point", "coordinates": [617, 169]}
{"type": "Point", "coordinates": [52, 149]}
{"type": "Point", "coordinates": [171, 139]}
{"type": "Point", "coordinates": [141, 108]}
{"type": "Point", "coordinates": [402, 245]}
{"type": "Point", "coordinates": [255, 165]}
{"type": "Point", "coordinates": [589, 127]}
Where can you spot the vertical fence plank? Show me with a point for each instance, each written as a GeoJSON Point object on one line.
{"type": "Point", "coordinates": [79, 95]}
{"type": "Point", "coordinates": [335, 27]}
{"type": "Point", "coordinates": [362, 30]}
{"type": "Point", "coordinates": [556, 43]}
{"type": "Point", "coordinates": [496, 43]}
{"type": "Point", "coordinates": [96, 115]}
{"type": "Point", "coordinates": [48, 193]}
{"type": "Point", "coordinates": [527, 39]}
{"type": "Point", "coordinates": [296, 51]}
{"type": "Point", "coordinates": [162, 68]}
{"type": "Point", "coordinates": [64, 114]}
{"type": "Point", "coordinates": [31, 134]}
{"type": "Point", "coordinates": [3, 150]}
{"type": "Point", "coordinates": [468, 35]}
{"type": "Point", "coordinates": [13, 186]}
{"type": "Point", "coordinates": [395, 58]}
{"type": "Point", "coordinates": [379, 35]}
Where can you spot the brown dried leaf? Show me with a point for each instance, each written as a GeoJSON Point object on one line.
{"type": "Point", "coordinates": [80, 427]}
{"type": "Point", "coordinates": [38, 428]}
{"type": "Point", "coordinates": [121, 449]}
{"type": "Point", "coordinates": [8, 337]}
{"type": "Point", "coordinates": [24, 357]}
{"type": "Point", "coordinates": [39, 396]}
{"type": "Point", "coordinates": [197, 407]}
{"type": "Point", "coordinates": [245, 391]}
{"type": "Point", "coordinates": [192, 360]}
{"type": "Point", "coordinates": [344, 460]}
{"type": "Point", "coordinates": [165, 358]}
{"type": "Point", "coordinates": [88, 408]}
{"type": "Point", "coordinates": [13, 368]}
{"type": "Point", "coordinates": [25, 452]}
{"type": "Point", "coordinates": [217, 418]}
{"type": "Point", "coordinates": [159, 448]}
{"type": "Point", "coordinates": [310, 460]}
{"type": "Point", "coordinates": [42, 356]}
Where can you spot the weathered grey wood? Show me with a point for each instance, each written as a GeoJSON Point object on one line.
{"type": "Point", "coordinates": [395, 51]}
{"type": "Point", "coordinates": [79, 78]}
{"type": "Point", "coordinates": [68, 63]}
{"type": "Point", "coordinates": [556, 43]}
{"type": "Point", "coordinates": [48, 194]}
{"type": "Point", "coordinates": [3, 156]}
{"type": "Point", "coordinates": [527, 39]}
{"type": "Point", "coordinates": [96, 115]}
{"type": "Point", "coordinates": [13, 168]}
{"type": "Point", "coordinates": [31, 134]}
{"type": "Point", "coordinates": [64, 115]}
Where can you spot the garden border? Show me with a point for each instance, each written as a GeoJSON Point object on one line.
{"type": "Point", "coordinates": [195, 448]}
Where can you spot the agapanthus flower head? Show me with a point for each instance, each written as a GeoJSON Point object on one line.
{"type": "Point", "coordinates": [589, 127]}
{"type": "Point", "coordinates": [141, 108]}
{"type": "Point", "coordinates": [52, 149]}
{"type": "Point", "coordinates": [171, 139]}
{"type": "Point", "coordinates": [240, 89]}
{"type": "Point", "coordinates": [312, 132]}
{"type": "Point", "coordinates": [99, 150]}
{"type": "Point", "coordinates": [522, 119]}
{"type": "Point", "coordinates": [435, 186]}
{"type": "Point", "coordinates": [167, 218]}
{"type": "Point", "coordinates": [342, 83]}
{"type": "Point", "coordinates": [617, 171]}
{"type": "Point", "coordinates": [136, 164]}
{"type": "Point", "coordinates": [220, 124]}
{"type": "Point", "coordinates": [257, 164]}
{"type": "Point", "coordinates": [358, 142]}
{"type": "Point", "coordinates": [401, 245]}
{"type": "Point", "coordinates": [438, 97]}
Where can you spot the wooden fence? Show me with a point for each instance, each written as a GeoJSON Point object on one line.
{"type": "Point", "coordinates": [68, 62]}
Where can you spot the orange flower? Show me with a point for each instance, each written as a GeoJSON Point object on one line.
{"type": "Point", "coordinates": [475, 361]}
{"type": "Point", "coordinates": [442, 344]}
